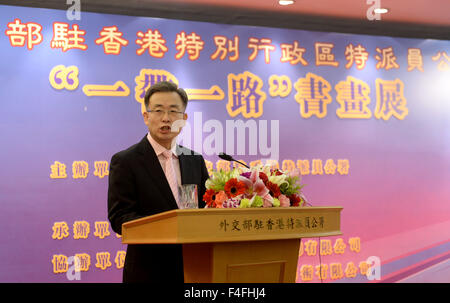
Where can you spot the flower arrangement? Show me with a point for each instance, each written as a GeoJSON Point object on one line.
{"type": "Point", "coordinates": [259, 186]}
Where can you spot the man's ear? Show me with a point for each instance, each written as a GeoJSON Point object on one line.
{"type": "Point", "coordinates": [146, 117]}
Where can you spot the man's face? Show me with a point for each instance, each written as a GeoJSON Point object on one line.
{"type": "Point", "coordinates": [165, 108]}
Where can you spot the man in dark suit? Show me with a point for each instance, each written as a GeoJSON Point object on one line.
{"type": "Point", "coordinates": [144, 180]}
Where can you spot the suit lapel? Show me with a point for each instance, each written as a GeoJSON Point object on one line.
{"type": "Point", "coordinates": [150, 162]}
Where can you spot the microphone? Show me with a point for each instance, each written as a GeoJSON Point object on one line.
{"type": "Point", "coordinates": [226, 157]}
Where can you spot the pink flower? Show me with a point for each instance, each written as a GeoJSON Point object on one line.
{"type": "Point", "coordinates": [267, 200]}
{"type": "Point", "coordinates": [295, 173]}
{"type": "Point", "coordinates": [284, 201]}
{"type": "Point", "coordinates": [255, 183]}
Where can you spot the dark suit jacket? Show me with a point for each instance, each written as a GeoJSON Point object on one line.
{"type": "Point", "coordinates": [138, 188]}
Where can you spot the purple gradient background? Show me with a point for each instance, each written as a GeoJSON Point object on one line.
{"type": "Point", "coordinates": [399, 170]}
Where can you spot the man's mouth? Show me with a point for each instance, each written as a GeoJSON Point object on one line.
{"type": "Point", "coordinates": [165, 128]}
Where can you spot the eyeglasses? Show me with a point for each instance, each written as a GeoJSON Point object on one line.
{"type": "Point", "coordinates": [159, 113]}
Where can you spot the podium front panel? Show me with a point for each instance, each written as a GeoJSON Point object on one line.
{"type": "Point", "coordinates": [231, 225]}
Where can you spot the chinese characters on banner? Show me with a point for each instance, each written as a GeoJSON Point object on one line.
{"type": "Point", "coordinates": [80, 231]}
{"type": "Point", "coordinates": [246, 96]}
{"type": "Point", "coordinates": [67, 37]}
{"type": "Point", "coordinates": [81, 169]}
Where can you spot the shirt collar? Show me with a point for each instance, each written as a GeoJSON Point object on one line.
{"type": "Point", "coordinates": [159, 149]}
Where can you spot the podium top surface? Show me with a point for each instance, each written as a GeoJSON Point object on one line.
{"type": "Point", "coordinates": [230, 225]}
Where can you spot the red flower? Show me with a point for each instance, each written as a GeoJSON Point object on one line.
{"type": "Point", "coordinates": [235, 188]}
{"type": "Point", "coordinates": [276, 171]}
{"type": "Point", "coordinates": [209, 197]}
{"type": "Point", "coordinates": [274, 190]}
{"type": "Point", "coordinates": [295, 200]}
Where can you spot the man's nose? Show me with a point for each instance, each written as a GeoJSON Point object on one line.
{"type": "Point", "coordinates": [166, 116]}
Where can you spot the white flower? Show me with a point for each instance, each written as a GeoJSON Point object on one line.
{"type": "Point", "coordinates": [278, 180]}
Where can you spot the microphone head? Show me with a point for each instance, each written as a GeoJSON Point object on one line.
{"type": "Point", "coordinates": [226, 157]}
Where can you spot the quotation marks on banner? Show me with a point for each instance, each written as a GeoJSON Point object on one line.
{"type": "Point", "coordinates": [62, 77]}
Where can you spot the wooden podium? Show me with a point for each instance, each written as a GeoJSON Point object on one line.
{"type": "Point", "coordinates": [255, 245]}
